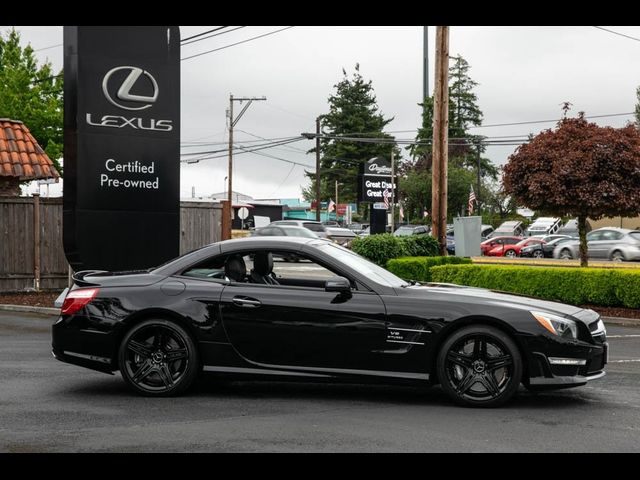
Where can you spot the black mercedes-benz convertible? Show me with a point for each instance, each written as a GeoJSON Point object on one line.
{"type": "Point", "coordinates": [236, 308]}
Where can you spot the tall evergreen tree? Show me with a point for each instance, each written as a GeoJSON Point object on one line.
{"type": "Point", "coordinates": [31, 94]}
{"type": "Point", "coordinates": [353, 112]}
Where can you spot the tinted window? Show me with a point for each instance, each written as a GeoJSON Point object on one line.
{"type": "Point", "coordinates": [611, 235]}
{"type": "Point", "coordinates": [314, 227]}
{"type": "Point", "coordinates": [594, 236]}
{"type": "Point", "coordinates": [512, 241]}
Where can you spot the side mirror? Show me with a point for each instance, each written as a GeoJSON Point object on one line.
{"type": "Point", "coordinates": [338, 285]}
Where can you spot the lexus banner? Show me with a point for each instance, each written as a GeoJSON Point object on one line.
{"type": "Point", "coordinates": [122, 146]}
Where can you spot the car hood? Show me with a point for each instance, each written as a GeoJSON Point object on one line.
{"type": "Point", "coordinates": [493, 298]}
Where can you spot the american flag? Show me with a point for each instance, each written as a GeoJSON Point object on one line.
{"type": "Point", "coordinates": [386, 194]}
{"type": "Point", "coordinates": [472, 198]}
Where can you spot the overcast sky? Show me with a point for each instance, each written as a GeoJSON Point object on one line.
{"type": "Point", "coordinates": [524, 74]}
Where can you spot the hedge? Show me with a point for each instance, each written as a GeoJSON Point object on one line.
{"type": "Point", "coordinates": [380, 248]}
{"type": "Point", "coordinates": [597, 286]}
{"type": "Point", "coordinates": [419, 268]}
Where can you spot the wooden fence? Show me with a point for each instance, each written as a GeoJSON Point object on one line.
{"type": "Point", "coordinates": [200, 224]}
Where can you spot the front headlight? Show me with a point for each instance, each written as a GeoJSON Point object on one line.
{"type": "Point", "coordinates": [563, 327]}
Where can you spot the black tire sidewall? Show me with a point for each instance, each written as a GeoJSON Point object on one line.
{"type": "Point", "coordinates": [516, 375]}
{"type": "Point", "coordinates": [192, 368]}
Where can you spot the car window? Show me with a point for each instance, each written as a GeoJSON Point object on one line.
{"type": "Point", "coordinates": [611, 235]}
{"type": "Point", "coordinates": [266, 231]}
{"type": "Point", "coordinates": [314, 227]}
{"type": "Point", "coordinates": [635, 235]}
{"type": "Point", "coordinates": [299, 232]}
{"type": "Point", "coordinates": [302, 272]}
{"type": "Point", "coordinates": [210, 269]}
{"type": "Point", "coordinates": [512, 241]}
{"type": "Point", "coordinates": [591, 236]}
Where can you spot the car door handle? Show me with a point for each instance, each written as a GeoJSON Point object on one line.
{"type": "Point", "coordinates": [246, 302]}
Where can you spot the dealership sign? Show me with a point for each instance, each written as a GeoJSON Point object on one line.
{"type": "Point", "coordinates": [122, 146]}
{"type": "Point", "coordinates": [374, 181]}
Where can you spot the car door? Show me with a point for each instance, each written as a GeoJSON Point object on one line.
{"type": "Point", "coordinates": [299, 324]}
{"type": "Point", "coordinates": [595, 241]}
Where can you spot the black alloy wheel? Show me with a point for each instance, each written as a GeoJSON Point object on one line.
{"type": "Point", "coordinates": [158, 358]}
{"type": "Point", "coordinates": [479, 366]}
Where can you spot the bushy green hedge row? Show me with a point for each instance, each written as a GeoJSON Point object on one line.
{"type": "Point", "coordinates": [419, 268]}
{"type": "Point", "coordinates": [598, 286]}
{"type": "Point", "coordinates": [383, 247]}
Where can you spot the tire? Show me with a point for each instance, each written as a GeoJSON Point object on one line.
{"type": "Point", "coordinates": [537, 254]}
{"type": "Point", "coordinates": [479, 366]}
{"type": "Point", "coordinates": [565, 254]}
{"type": "Point", "coordinates": [617, 256]}
{"type": "Point", "coordinates": [510, 254]}
{"type": "Point", "coordinates": [158, 358]}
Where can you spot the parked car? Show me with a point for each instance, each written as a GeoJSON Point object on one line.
{"type": "Point", "coordinates": [406, 230]}
{"type": "Point", "coordinates": [225, 309]}
{"type": "Point", "coordinates": [543, 250]}
{"type": "Point", "coordinates": [609, 243]}
{"type": "Point", "coordinates": [494, 242]}
{"type": "Point", "coordinates": [510, 228]}
{"type": "Point", "coordinates": [341, 236]}
{"type": "Point", "coordinates": [512, 250]}
{"type": "Point", "coordinates": [316, 227]}
{"type": "Point", "coordinates": [544, 226]}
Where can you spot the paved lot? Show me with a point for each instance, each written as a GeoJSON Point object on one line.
{"type": "Point", "coordinates": [48, 406]}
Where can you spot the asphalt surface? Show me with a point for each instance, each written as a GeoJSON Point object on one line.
{"type": "Point", "coordinates": [49, 406]}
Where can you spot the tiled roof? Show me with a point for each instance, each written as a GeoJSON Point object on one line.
{"type": "Point", "coordinates": [20, 154]}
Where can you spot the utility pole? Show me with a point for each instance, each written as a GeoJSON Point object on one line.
{"type": "Point", "coordinates": [393, 193]}
{"type": "Point", "coordinates": [318, 168]}
{"type": "Point", "coordinates": [425, 63]}
{"type": "Point", "coordinates": [232, 123]}
{"type": "Point", "coordinates": [336, 200]}
{"type": "Point", "coordinates": [440, 139]}
{"type": "Point", "coordinates": [478, 190]}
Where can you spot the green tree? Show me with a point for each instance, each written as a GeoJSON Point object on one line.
{"type": "Point", "coordinates": [353, 112]}
{"type": "Point", "coordinates": [579, 169]}
{"type": "Point", "coordinates": [464, 113]}
{"type": "Point", "coordinates": [31, 94]}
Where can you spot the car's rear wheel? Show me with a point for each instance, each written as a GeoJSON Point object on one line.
{"type": "Point", "coordinates": [538, 254]}
{"type": "Point", "coordinates": [479, 366]}
{"type": "Point", "coordinates": [617, 256]}
{"type": "Point", "coordinates": [158, 358]}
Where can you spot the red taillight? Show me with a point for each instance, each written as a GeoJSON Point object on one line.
{"type": "Point", "coordinates": [76, 299]}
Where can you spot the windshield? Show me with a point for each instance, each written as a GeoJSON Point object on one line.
{"type": "Point", "coordinates": [363, 266]}
{"type": "Point", "coordinates": [402, 231]}
{"type": "Point", "coordinates": [299, 232]}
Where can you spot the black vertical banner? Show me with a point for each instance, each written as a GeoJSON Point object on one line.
{"type": "Point", "coordinates": [121, 146]}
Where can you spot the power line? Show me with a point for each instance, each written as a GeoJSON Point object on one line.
{"type": "Point", "coordinates": [237, 43]}
{"type": "Point", "coordinates": [210, 36]}
{"type": "Point", "coordinates": [201, 34]}
{"type": "Point", "coordinates": [550, 121]}
{"type": "Point", "coordinates": [617, 33]}
{"type": "Point", "coordinates": [47, 48]}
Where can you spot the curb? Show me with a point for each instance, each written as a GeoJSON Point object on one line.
{"type": "Point", "coordinates": [30, 309]}
{"type": "Point", "coordinates": [625, 322]}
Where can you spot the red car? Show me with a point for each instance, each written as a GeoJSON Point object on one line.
{"type": "Point", "coordinates": [512, 250]}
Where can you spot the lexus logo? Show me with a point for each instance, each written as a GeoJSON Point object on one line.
{"type": "Point", "coordinates": [124, 92]}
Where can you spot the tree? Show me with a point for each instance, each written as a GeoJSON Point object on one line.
{"type": "Point", "coordinates": [353, 112]}
{"type": "Point", "coordinates": [464, 113]}
{"type": "Point", "coordinates": [637, 110]}
{"type": "Point", "coordinates": [578, 169]}
{"type": "Point", "coordinates": [31, 94]}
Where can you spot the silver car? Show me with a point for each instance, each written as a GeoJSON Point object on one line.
{"type": "Point", "coordinates": [609, 243]}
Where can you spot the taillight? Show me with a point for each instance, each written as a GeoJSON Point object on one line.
{"type": "Point", "coordinates": [76, 299]}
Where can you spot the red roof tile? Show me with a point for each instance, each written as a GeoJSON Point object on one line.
{"type": "Point", "coordinates": [20, 154]}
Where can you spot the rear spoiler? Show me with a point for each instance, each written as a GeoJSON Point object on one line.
{"type": "Point", "coordinates": [78, 277]}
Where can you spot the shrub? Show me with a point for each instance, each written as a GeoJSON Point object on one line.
{"type": "Point", "coordinates": [419, 268]}
{"type": "Point", "coordinates": [605, 287]}
{"type": "Point", "coordinates": [378, 248]}
{"type": "Point", "coordinates": [382, 247]}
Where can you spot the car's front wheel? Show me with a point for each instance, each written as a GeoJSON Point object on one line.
{"type": "Point", "coordinates": [158, 358]}
{"type": "Point", "coordinates": [479, 366]}
{"type": "Point", "coordinates": [538, 254]}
